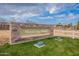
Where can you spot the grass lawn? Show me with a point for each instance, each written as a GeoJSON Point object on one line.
{"type": "Point", "coordinates": [66, 47]}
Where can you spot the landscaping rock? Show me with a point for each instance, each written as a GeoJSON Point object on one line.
{"type": "Point", "coordinates": [58, 39]}
{"type": "Point", "coordinates": [39, 44]}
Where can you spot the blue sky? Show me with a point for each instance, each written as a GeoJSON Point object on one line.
{"type": "Point", "coordinates": [42, 13]}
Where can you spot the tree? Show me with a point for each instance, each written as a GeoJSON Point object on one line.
{"type": "Point", "coordinates": [70, 24]}
{"type": "Point", "coordinates": [59, 24]}
{"type": "Point", "coordinates": [77, 25]}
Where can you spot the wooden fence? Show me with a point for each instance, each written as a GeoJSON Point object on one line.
{"type": "Point", "coordinates": [66, 33]}
{"type": "Point", "coordinates": [20, 32]}
{"type": "Point", "coordinates": [4, 36]}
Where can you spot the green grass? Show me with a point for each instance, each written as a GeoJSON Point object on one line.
{"type": "Point", "coordinates": [66, 47]}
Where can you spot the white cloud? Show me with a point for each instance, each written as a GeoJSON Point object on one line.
{"type": "Point", "coordinates": [52, 10]}
{"type": "Point", "coordinates": [72, 16]}
{"type": "Point", "coordinates": [56, 8]}
{"type": "Point", "coordinates": [60, 16]}
{"type": "Point", "coordinates": [48, 17]}
{"type": "Point", "coordinates": [29, 15]}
